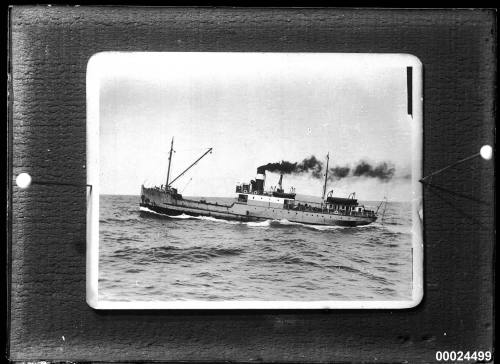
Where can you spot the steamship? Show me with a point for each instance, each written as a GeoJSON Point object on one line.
{"type": "Point", "coordinates": [253, 202]}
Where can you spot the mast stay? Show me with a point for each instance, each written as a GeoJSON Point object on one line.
{"type": "Point", "coordinates": [192, 164]}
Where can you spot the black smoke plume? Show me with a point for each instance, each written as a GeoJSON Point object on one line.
{"type": "Point", "coordinates": [338, 172]}
{"type": "Point", "coordinates": [309, 165]}
{"type": "Point", "coordinates": [382, 171]}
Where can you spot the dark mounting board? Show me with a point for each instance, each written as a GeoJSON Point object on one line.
{"type": "Point", "coordinates": [49, 318]}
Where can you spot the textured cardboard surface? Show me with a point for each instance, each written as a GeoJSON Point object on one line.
{"type": "Point", "coordinates": [49, 318]}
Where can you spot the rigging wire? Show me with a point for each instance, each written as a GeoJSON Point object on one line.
{"type": "Point", "coordinates": [383, 212]}
{"type": "Point", "coordinates": [186, 184]}
{"type": "Point", "coordinates": [189, 150]}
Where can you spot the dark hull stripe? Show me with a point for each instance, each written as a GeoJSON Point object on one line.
{"type": "Point", "coordinates": [242, 218]}
{"type": "Point", "coordinates": [175, 212]}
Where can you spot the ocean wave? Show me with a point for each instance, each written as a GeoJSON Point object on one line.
{"type": "Point", "coordinates": [117, 219]}
{"type": "Point", "coordinates": [289, 259]}
{"type": "Point", "coordinates": [181, 217]}
{"type": "Point", "coordinates": [188, 217]}
{"type": "Point", "coordinates": [173, 254]}
{"type": "Point", "coordinates": [386, 291]}
{"type": "Point", "coordinates": [206, 275]}
{"type": "Point", "coordinates": [310, 226]}
{"type": "Point", "coordinates": [344, 268]}
{"type": "Point", "coordinates": [370, 276]}
{"type": "Point", "coordinates": [398, 229]}
{"type": "Point", "coordinates": [147, 213]}
{"type": "Point", "coordinates": [265, 223]}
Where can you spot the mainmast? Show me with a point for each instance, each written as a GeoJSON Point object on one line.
{"type": "Point", "coordinates": [326, 175]}
{"type": "Point", "coordinates": [169, 161]}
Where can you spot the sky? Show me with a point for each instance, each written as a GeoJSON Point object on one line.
{"type": "Point", "coordinates": [252, 109]}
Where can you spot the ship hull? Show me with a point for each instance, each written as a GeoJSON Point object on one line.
{"type": "Point", "coordinates": [161, 202]}
{"type": "Point", "coordinates": [176, 210]}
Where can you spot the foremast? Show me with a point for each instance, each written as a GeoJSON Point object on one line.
{"type": "Point", "coordinates": [168, 182]}
{"type": "Point", "coordinates": [169, 161]}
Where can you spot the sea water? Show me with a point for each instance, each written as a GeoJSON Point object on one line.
{"type": "Point", "coordinates": [145, 256]}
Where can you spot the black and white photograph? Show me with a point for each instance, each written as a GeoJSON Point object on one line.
{"type": "Point", "coordinates": [254, 180]}
{"type": "Point", "coordinates": [250, 184]}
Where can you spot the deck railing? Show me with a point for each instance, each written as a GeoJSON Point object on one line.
{"type": "Point", "coordinates": [323, 210]}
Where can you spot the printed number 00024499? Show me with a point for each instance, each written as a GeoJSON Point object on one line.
{"type": "Point", "coordinates": [463, 356]}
